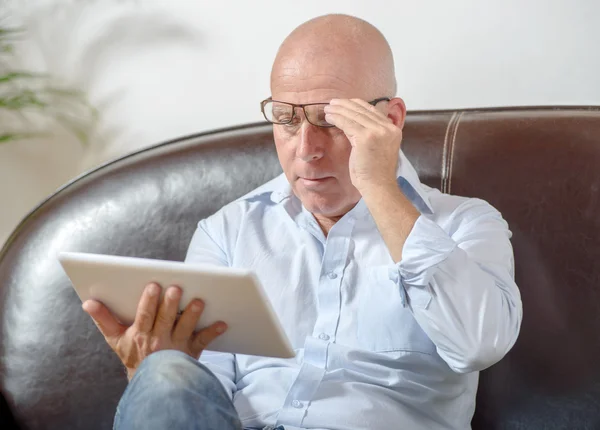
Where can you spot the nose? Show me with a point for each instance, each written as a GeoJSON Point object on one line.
{"type": "Point", "coordinates": [311, 146]}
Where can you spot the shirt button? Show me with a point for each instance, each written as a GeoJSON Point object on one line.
{"type": "Point", "coordinates": [324, 336]}
{"type": "Point", "coordinates": [297, 404]}
{"type": "Point", "coordinates": [332, 275]}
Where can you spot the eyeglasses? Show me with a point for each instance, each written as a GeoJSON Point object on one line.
{"type": "Point", "coordinates": [283, 113]}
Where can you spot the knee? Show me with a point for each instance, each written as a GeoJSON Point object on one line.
{"type": "Point", "coordinates": [173, 390]}
{"type": "Point", "coordinates": [170, 369]}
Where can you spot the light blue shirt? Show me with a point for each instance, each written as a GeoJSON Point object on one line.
{"type": "Point", "coordinates": [379, 345]}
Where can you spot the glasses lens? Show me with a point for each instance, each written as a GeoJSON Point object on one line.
{"type": "Point", "coordinates": [316, 115]}
{"type": "Point", "coordinates": [278, 113]}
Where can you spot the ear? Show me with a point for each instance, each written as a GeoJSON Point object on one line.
{"type": "Point", "coordinates": [397, 111]}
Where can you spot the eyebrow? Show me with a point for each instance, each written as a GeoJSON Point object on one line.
{"type": "Point", "coordinates": [300, 104]}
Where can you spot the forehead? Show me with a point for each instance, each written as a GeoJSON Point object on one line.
{"type": "Point", "coordinates": [312, 80]}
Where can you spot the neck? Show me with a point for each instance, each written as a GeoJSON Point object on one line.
{"type": "Point", "coordinates": [326, 223]}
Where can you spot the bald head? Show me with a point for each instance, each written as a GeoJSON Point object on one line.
{"type": "Point", "coordinates": [337, 54]}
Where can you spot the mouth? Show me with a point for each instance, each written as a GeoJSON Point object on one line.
{"type": "Point", "coordinates": [314, 180]}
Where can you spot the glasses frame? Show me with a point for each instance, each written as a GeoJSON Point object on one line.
{"type": "Point", "coordinates": [303, 106]}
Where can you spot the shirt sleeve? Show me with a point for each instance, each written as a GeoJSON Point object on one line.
{"type": "Point", "coordinates": [459, 284]}
{"type": "Point", "coordinates": [205, 249]}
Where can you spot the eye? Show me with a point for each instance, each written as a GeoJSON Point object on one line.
{"type": "Point", "coordinates": [283, 118]}
{"type": "Point", "coordinates": [295, 121]}
{"type": "Point", "coordinates": [282, 113]}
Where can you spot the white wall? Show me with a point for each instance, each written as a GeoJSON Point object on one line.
{"type": "Point", "coordinates": [161, 69]}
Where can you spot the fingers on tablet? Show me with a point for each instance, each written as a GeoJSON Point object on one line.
{"type": "Point", "coordinates": [147, 308]}
{"type": "Point", "coordinates": [205, 336]}
{"type": "Point", "coordinates": [167, 312]}
{"type": "Point", "coordinates": [184, 329]}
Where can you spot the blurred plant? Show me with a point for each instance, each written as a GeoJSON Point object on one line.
{"type": "Point", "coordinates": [25, 94]}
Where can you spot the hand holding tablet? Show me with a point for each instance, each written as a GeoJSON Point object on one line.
{"type": "Point", "coordinates": [157, 326]}
{"type": "Point", "coordinates": [137, 316]}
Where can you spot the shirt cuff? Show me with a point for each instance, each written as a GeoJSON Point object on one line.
{"type": "Point", "coordinates": [426, 246]}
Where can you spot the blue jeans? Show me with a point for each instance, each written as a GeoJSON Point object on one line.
{"type": "Point", "coordinates": [170, 390]}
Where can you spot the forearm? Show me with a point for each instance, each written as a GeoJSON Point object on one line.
{"type": "Point", "coordinates": [473, 316]}
{"type": "Point", "coordinates": [461, 289]}
{"type": "Point", "coordinates": [393, 213]}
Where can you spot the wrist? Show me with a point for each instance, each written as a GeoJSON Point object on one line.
{"type": "Point", "coordinates": [379, 195]}
{"type": "Point", "coordinates": [378, 187]}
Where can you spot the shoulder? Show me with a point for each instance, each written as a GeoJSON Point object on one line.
{"type": "Point", "coordinates": [251, 206]}
{"type": "Point", "coordinates": [453, 211]}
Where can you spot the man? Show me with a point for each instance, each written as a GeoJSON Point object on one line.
{"type": "Point", "coordinates": [393, 294]}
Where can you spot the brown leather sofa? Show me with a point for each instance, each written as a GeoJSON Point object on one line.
{"type": "Point", "coordinates": [539, 166]}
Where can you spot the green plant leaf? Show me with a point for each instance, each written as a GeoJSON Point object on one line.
{"type": "Point", "coordinates": [9, 136]}
{"type": "Point", "coordinates": [63, 92]}
{"type": "Point", "coordinates": [57, 103]}
{"type": "Point", "coordinates": [13, 76]}
{"type": "Point", "coordinates": [4, 32]}
{"type": "Point", "coordinates": [27, 98]}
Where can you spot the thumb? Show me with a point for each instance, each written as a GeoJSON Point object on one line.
{"type": "Point", "coordinates": [109, 326]}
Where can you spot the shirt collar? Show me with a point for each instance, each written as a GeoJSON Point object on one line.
{"type": "Point", "coordinates": [411, 185]}
{"type": "Point", "coordinates": [407, 177]}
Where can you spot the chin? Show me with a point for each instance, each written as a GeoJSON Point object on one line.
{"type": "Point", "coordinates": [327, 207]}
{"type": "Point", "coordinates": [328, 203]}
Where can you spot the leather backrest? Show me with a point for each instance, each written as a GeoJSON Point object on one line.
{"type": "Point", "coordinates": [539, 167]}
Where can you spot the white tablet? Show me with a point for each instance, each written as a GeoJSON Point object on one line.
{"type": "Point", "coordinates": [231, 295]}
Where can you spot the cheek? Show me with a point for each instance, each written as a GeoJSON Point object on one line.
{"type": "Point", "coordinates": [285, 153]}
{"type": "Point", "coordinates": [339, 151]}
